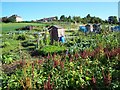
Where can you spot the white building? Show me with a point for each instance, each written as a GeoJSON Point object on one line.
{"type": "Point", "coordinates": [18, 19]}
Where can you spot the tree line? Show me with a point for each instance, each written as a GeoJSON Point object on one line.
{"type": "Point", "coordinates": [9, 19]}
{"type": "Point", "coordinates": [74, 19]}
{"type": "Point", "coordinates": [88, 19]}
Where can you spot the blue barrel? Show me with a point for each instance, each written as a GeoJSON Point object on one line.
{"type": "Point", "coordinates": [62, 39]}
{"type": "Point", "coordinates": [83, 29]}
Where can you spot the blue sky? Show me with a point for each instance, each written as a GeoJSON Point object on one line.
{"type": "Point", "coordinates": [37, 10]}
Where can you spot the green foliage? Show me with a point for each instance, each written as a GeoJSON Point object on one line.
{"type": "Point", "coordinates": [112, 20]}
{"type": "Point", "coordinates": [6, 44]}
{"type": "Point", "coordinates": [27, 43]}
{"type": "Point", "coordinates": [9, 45]}
{"type": "Point", "coordinates": [66, 72]}
{"type": "Point", "coordinates": [82, 67]}
{"type": "Point", "coordinates": [78, 19]}
{"type": "Point", "coordinates": [51, 49]}
{"type": "Point", "coordinates": [21, 37]}
{"type": "Point", "coordinates": [8, 58]}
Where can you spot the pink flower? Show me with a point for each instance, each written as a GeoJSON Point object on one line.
{"type": "Point", "coordinates": [40, 61]}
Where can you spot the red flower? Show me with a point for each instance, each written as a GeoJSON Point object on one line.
{"type": "Point", "coordinates": [55, 63]}
{"type": "Point", "coordinates": [62, 64]}
{"type": "Point", "coordinates": [97, 50]}
{"type": "Point", "coordinates": [54, 56]}
{"type": "Point", "coordinates": [71, 59]}
{"type": "Point", "coordinates": [92, 54]}
{"type": "Point", "coordinates": [106, 78]}
{"type": "Point", "coordinates": [84, 54]}
{"type": "Point", "coordinates": [40, 61]}
{"type": "Point", "coordinates": [76, 55]}
{"type": "Point", "coordinates": [47, 85]}
{"type": "Point", "coordinates": [48, 57]}
{"type": "Point", "coordinates": [93, 80]}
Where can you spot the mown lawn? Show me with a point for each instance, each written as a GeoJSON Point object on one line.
{"type": "Point", "coordinates": [6, 27]}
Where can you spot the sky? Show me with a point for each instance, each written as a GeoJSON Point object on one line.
{"type": "Point", "coordinates": [119, 10]}
{"type": "Point", "coordinates": [38, 10]}
{"type": "Point", "coordinates": [60, 0]}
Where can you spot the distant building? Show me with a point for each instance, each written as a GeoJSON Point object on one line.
{"type": "Point", "coordinates": [119, 11]}
{"type": "Point", "coordinates": [16, 18]}
{"type": "Point", "coordinates": [47, 19]}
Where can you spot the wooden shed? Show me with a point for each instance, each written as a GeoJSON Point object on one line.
{"type": "Point", "coordinates": [56, 32]}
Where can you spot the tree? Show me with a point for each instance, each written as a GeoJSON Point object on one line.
{"type": "Point", "coordinates": [88, 16]}
{"type": "Point", "coordinates": [5, 19]}
{"type": "Point", "coordinates": [12, 18]}
{"type": "Point", "coordinates": [76, 19]}
{"type": "Point", "coordinates": [69, 19]}
{"type": "Point", "coordinates": [62, 18]}
{"type": "Point", "coordinates": [84, 20]}
{"type": "Point", "coordinates": [56, 18]}
{"type": "Point", "coordinates": [112, 19]}
{"type": "Point", "coordinates": [9, 19]}
{"type": "Point", "coordinates": [92, 20]}
{"type": "Point", "coordinates": [106, 21]}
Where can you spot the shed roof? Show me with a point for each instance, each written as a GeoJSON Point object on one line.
{"type": "Point", "coordinates": [57, 26]}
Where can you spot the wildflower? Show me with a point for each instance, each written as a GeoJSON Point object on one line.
{"type": "Point", "coordinates": [66, 52]}
{"type": "Point", "coordinates": [62, 64]}
{"type": "Point", "coordinates": [54, 55]}
{"type": "Point", "coordinates": [84, 54]}
{"type": "Point", "coordinates": [76, 55]}
{"type": "Point", "coordinates": [32, 70]}
{"type": "Point", "coordinates": [93, 80]}
{"type": "Point", "coordinates": [56, 63]}
{"type": "Point", "coordinates": [40, 61]}
{"type": "Point", "coordinates": [92, 54]}
{"type": "Point", "coordinates": [97, 50]}
{"type": "Point", "coordinates": [47, 85]}
{"type": "Point", "coordinates": [71, 60]}
{"type": "Point", "coordinates": [48, 57]}
{"type": "Point", "coordinates": [106, 78]}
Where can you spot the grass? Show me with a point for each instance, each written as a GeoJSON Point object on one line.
{"type": "Point", "coordinates": [7, 27]}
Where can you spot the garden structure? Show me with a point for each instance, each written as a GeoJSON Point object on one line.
{"type": "Point", "coordinates": [56, 32]}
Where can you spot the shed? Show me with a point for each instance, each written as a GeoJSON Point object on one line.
{"type": "Point", "coordinates": [56, 32]}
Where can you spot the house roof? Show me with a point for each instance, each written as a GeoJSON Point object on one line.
{"type": "Point", "coordinates": [19, 16]}
{"type": "Point", "coordinates": [50, 18]}
{"type": "Point", "coordinates": [16, 16]}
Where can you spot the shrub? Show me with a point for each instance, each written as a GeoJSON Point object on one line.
{"type": "Point", "coordinates": [6, 58]}
{"type": "Point", "coordinates": [51, 49]}
{"type": "Point", "coordinates": [27, 43]}
{"type": "Point", "coordinates": [21, 37]}
{"type": "Point", "coordinates": [6, 44]}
